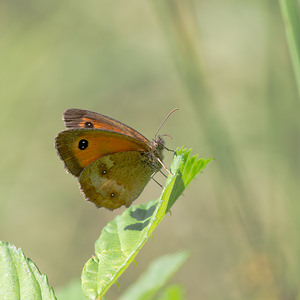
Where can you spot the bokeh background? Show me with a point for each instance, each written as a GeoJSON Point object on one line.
{"type": "Point", "coordinates": [226, 66]}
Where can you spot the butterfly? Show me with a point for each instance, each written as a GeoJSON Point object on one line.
{"type": "Point", "coordinates": [113, 162]}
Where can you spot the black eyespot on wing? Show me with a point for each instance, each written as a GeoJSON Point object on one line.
{"type": "Point", "coordinates": [83, 144]}
{"type": "Point", "coordinates": [103, 170]}
{"type": "Point", "coordinates": [88, 124]}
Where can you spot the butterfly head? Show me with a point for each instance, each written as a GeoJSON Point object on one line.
{"type": "Point", "coordinates": [157, 146]}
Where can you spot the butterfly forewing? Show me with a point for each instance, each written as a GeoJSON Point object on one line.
{"type": "Point", "coordinates": [79, 118]}
{"type": "Point", "coordinates": [80, 147]}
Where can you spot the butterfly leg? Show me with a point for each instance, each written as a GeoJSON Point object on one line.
{"type": "Point", "coordinates": [171, 150]}
{"type": "Point", "coordinates": [163, 173]}
{"type": "Point", "coordinates": [156, 180]}
{"type": "Point", "coordinates": [165, 167]}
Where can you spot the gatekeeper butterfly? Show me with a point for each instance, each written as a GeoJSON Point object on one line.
{"type": "Point", "coordinates": [113, 162]}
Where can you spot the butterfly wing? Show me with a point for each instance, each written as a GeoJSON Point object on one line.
{"type": "Point", "coordinates": [79, 118]}
{"type": "Point", "coordinates": [80, 147]}
{"type": "Point", "coordinates": [116, 179]}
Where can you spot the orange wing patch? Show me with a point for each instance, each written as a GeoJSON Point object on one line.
{"type": "Point", "coordinates": [80, 147]}
{"type": "Point", "coordinates": [90, 123]}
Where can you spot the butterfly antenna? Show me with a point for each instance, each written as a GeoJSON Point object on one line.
{"type": "Point", "coordinates": [166, 118]}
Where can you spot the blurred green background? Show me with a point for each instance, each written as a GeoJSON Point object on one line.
{"type": "Point", "coordinates": [226, 66]}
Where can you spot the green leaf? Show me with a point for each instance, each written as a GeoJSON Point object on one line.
{"type": "Point", "coordinates": [19, 277]}
{"type": "Point", "coordinates": [157, 275]}
{"type": "Point", "coordinates": [123, 237]}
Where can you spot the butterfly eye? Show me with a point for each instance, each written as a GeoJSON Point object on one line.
{"type": "Point", "coordinates": [112, 195]}
{"type": "Point", "coordinates": [88, 124]}
{"type": "Point", "coordinates": [83, 144]}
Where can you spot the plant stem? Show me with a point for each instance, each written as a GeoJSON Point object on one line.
{"type": "Point", "coordinates": [290, 14]}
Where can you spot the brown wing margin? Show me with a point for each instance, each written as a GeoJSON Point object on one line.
{"type": "Point", "coordinates": [79, 118]}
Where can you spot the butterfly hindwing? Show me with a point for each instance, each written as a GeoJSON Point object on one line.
{"type": "Point", "coordinates": [116, 179]}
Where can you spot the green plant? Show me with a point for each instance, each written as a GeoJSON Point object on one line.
{"type": "Point", "coordinates": [290, 14]}
{"type": "Point", "coordinates": [119, 243]}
